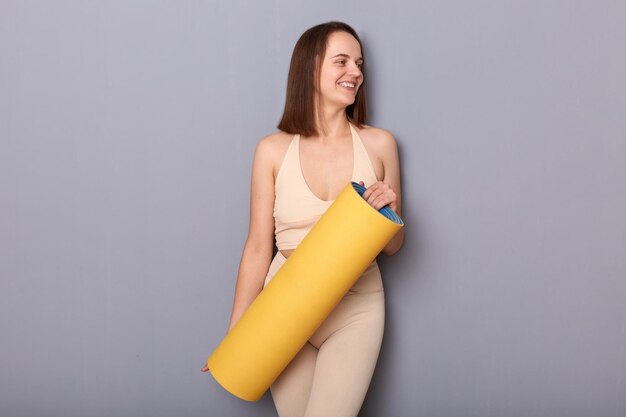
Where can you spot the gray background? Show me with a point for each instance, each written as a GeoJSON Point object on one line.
{"type": "Point", "coordinates": [127, 132]}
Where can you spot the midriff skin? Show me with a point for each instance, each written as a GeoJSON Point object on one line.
{"type": "Point", "coordinates": [287, 252]}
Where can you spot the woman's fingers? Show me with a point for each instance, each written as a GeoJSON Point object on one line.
{"type": "Point", "coordinates": [205, 368]}
{"type": "Point", "coordinates": [367, 195]}
{"type": "Point", "coordinates": [379, 194]}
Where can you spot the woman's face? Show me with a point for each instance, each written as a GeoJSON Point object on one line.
{"type": "Point", "coordinates": [341, 74]}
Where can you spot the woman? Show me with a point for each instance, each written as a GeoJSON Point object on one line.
{"type": "Point", "coordinates": [323, 143]}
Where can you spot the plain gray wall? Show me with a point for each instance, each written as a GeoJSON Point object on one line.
{"type": "Point", "coordinates": [127, 132]}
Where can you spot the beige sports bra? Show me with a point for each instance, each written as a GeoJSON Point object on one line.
{"type": "Point", "coordinates": [296, 208]}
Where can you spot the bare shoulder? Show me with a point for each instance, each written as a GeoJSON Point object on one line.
{"type": "Point", "coordinates": [272, 148]}
{"type": "Point", "coordinates": [274, 141]}
{"type": "Point", "coordinates": [379, 140]}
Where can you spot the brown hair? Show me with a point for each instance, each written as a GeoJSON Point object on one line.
{"type": "Point", "coordinates": [306, 61]}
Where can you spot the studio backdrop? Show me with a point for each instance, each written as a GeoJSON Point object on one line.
{"type": "Point", "coordinates": [127, 130]}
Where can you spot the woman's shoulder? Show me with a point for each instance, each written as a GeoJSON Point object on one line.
{"type": "Point", "coordinates": [273, 148]}
{"type": "Point", "coordinates": [275, 139]}
{"type": "Point", "coordinates": [377, 138]}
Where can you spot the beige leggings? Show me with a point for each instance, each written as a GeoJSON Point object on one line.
{"type": "Point", "coordinates": [330, 376]}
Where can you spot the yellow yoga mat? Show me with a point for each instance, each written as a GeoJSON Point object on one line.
{"type": "Point", "coordinates": [302, 293]}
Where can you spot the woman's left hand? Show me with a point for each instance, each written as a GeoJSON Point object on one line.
{"type": "Point", "coordinates": [379, 195]}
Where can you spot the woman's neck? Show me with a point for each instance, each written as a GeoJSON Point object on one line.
{"type": "Point", "coordinates": [332, 123]}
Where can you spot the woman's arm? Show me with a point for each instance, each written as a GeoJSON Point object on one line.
{"type": "Point", "coordinates": [259, 246]}
{"type": "Point", "coordinates": [257, 252]}
{"type": "Point", "coordinates": [388, 191]}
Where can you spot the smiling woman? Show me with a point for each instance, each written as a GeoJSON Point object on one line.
{"type": "Point", "coordinates": [322, 145]}
{"type": "Point", "coordinates": [333, 44]}
{"type": "Point", "coordinates": [341, 70]}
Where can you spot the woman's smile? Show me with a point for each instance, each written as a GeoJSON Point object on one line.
{"type": "Point", "coordinates": [348, 85]}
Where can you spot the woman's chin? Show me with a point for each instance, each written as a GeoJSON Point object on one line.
{"type": "Point", "coordinates": [342, 101]}
{"type": "Point", "coordinates": [348, 101]}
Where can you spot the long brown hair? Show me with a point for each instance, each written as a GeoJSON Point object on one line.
{"type": "Point", "coordinates": [306, 61]}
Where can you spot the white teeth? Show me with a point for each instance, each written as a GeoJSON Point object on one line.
{"type": "Point", "coordinates": [346, 84]}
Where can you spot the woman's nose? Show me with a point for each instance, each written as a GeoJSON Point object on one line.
{"type": "Point", "coordinates": [355, 70]}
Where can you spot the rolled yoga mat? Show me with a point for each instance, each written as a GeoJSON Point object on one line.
{"type": "Point", "coordinates": [302, 293]}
